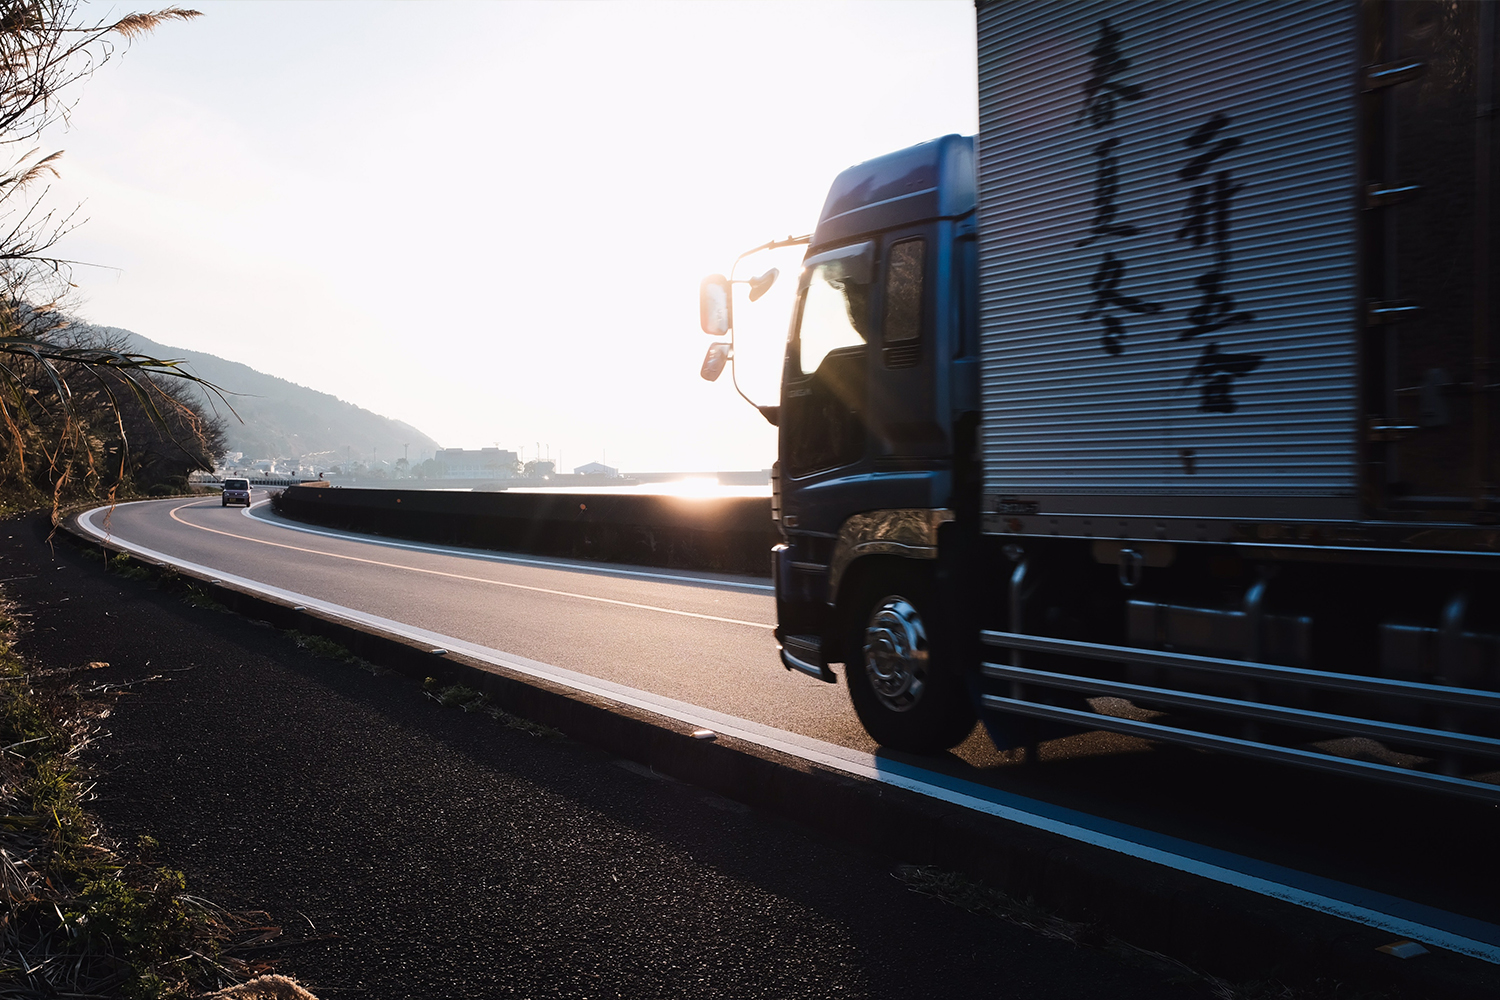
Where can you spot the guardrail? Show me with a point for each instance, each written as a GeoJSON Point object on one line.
{"type": "Point", "coordinates": [723, 534]}
{"type": "Point", "coordinates": [269, 481]}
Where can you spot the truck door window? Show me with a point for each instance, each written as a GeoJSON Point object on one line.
{"type": "Point", "coordinates": [834, 315]}
{"type": "Point", "coordinates": [902, 330]}
{"type": "Point", "coordinates": [822, 422]}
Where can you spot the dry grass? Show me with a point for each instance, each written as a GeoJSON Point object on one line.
{"type": "Point", "coordinates": [199, 597]}
{"type": "Point", "coordinates": [330, 650]}
{"type": "Point", "coordinates": [81, 916]}
{"type": "Point", "coordinates": [266, 988]}
{"type": "Point", "coordinates": [467, 699]}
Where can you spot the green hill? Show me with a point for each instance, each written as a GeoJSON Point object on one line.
{"type": "Point", "coordinates": [286, 420]}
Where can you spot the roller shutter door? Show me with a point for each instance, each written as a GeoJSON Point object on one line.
{"type": "Point", "coordinates": [1168, 256]}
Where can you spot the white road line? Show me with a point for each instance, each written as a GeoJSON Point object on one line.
{"type": "Point", "coordinates": [453, 550]}
{"type": "Point", "coordinates": [1429, 925]}
{"type": "Point", "coordinates": [486, 581]}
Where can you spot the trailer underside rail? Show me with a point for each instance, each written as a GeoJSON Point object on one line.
{"type": "Point", "coordinates": [1412, 690]}
{"type": "Point", "coordinates": [1252, 714]}
{"type": "Point", "coordinates": [1437, 739]}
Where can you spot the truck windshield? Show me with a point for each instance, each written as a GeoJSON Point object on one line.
{"type": "Point", "coordinates": [833, 311]}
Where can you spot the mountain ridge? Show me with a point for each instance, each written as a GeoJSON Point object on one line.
{"type": "Point", "coordinates": [283, 419]}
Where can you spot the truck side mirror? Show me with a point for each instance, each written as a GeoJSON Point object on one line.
{"type": "Point", "coordinates": [713, 362]}
{"type": "Point", "coordinates": [714, 306]}
{"type": "Point", "coordinates": [761, 285]}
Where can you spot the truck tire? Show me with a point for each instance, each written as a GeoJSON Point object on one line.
{"type": "Point", "coordinates": [906, 698]}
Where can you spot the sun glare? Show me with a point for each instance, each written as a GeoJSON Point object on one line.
{"type": "Point", "coordinates": [233, 158]}
{"type": "Point", "coordinates": [698, 486]}
{"type": "Point", "coordinates": [690, 488]}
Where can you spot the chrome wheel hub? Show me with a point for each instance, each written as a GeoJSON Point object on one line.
{"type": "Point", "coordinates": [896, 653]}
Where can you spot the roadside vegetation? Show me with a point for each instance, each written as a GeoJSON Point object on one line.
{"type": "Point", "coordinates": [466, 699]}
{"type": "Point", "coordinates": [80, 415]}
{"type": "Point", "coordinates": [82, 418]}
{"type": "Point", "coordinates": [105, 444]}
{"type": "Point", "coordinates": [82, 916]}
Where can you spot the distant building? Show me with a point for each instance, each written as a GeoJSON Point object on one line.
{"type": "Point", "coordinates": [484, 463]}
{"type": "Point", "coordinates": [596, 469]}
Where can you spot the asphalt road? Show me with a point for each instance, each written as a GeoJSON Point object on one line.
{"type": "Point", "coordinates": [701, 638]}
{"type": "Point", "coordinates": [413, 851]}
{"type": "Point", "coordinates": [706, 639]}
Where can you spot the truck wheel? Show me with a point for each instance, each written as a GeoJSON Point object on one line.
{"type": "Point", "coordinates": [905, 697]}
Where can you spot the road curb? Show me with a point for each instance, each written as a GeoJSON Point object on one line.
{"type": "Point", "coordinates": [1232, 932]}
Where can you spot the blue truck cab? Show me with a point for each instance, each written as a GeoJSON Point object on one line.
{"type": "Point", "coordinates": [879, 389]}
{"type": "Point", "coordinates": [1237, 466]}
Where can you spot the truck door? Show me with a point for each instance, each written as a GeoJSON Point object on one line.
{"type": "Point", "coordinates": [823, 387]}
{"type": "Point", "coordinates": [903, 412]}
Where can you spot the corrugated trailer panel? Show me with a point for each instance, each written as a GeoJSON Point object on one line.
{"type": "Point", "coordinates": [1169, 286]}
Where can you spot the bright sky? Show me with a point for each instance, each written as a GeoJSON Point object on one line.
{"type": "Point", "coordinates": [490, 220]}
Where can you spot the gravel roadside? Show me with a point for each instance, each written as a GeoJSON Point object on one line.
{"type": "Point", "coordinates": [435, 853]}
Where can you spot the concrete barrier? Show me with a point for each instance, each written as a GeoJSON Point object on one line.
{"type": "Point", "coordinates": [722, 534]}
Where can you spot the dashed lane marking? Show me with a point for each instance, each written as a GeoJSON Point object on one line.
{"type": "Point", "coordinates": [459, 576]}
